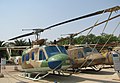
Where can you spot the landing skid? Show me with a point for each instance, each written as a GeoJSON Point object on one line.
{"type": "Point", "coordinates": [74, 70]}
{"type": "Point", "coordinates": [94, 68]}
{"type": "Point", "coordinates": [97, 68]}
{"type": "Point", "coordinates": [61, 73]}
{"type": "Point", "coordinates": [38, 76]}
{"type": "Point", "coordinates": [33, 76]}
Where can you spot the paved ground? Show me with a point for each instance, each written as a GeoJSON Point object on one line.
{"type": "Point", "coordinates": [104, 76]}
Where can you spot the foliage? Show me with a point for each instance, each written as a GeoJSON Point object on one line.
{"type": "Point", "coordinates": [20, 42]}
{"type": "Point", "coordinates": [3, 52]}
{"type": "Point", "coordinates": [93, 39]}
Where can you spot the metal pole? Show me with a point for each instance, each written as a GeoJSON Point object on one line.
{"type": "Point", "coordinates": [1, 66]}
{"type": "Point", "coordinates": [1, 74]}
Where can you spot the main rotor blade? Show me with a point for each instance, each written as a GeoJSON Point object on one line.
{"type": "Point", "coordinates": [24, 35]}
{"type": "Point", "coordinates": [71, 20]}
{"type": "Point", "coordinates": [73, 35]}
{"type": "Point", "coordinates": [96, 25]}
{"type": "Point", "coordinates": [86, 16]}
{"type": "Point", "coordinates": [116, 8]}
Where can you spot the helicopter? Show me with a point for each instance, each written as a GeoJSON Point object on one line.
{"type": "Point", "coordinates": [43, 58]}
{"type": "Point", "coordinates": [84, 55]}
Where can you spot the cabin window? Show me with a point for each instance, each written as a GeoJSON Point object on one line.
{"type": "Point", "coordinates": [62, 49]}
{"type": "Point", "coordinates": [87, 50]}
{"type": "Point", "coordinates": [41, 55]}
{"type": "Point", "coordinates": [80, 54]}
{"type": "Point", "coordinates": [51, 50]}
{"type": "Point", "coordinates": [32, 55]}
{"type": "Point", "coordinates": [27, 57]}
{"type": "Point", "coordinates": [115, 55]}
{"type": "Point", "coordinates": [23, 58]}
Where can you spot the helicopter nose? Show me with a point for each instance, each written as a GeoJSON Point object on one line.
{"type": "Point", "coordinates": [55, 62]}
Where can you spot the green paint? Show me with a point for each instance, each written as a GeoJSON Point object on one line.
{"type": "Point", "coordinates": [44, 63]}
{"type": "Point", "coordinates": [62, 57]}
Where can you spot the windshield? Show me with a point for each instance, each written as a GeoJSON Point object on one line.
{"type": "Point", "coordinates": [51, 50]}
{"type": "Point", "coordinates": [62, 49]}
{"type": "Point", "coordinates": [88, 50]}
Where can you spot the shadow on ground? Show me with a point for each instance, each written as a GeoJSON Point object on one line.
{"type": "Point", "coordinates": [98, 73]}
{"type": "Point", "coordinates": [72, 79]}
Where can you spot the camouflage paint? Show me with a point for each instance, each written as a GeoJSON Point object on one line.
{"type": "Point", "coordinates": [41, 65]}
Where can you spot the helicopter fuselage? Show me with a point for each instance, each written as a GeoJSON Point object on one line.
{"type": "Point", "coordinates": [45, 58]}
{"type": "Point", "coordinates": [84, 56]}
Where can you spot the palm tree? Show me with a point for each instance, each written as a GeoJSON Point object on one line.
{"type": "Point", "coordinates": [20, 42]}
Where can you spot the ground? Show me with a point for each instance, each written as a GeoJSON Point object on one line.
{"type": "Point", "coordinates": [106, 75]}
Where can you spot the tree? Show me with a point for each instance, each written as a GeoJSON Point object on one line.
{"type": "Point", "coordinates": [93, 39]}
{"type": "Point", "coordinates": [20, 42]}
{"type": "Point", "coordinates": [2, 51]}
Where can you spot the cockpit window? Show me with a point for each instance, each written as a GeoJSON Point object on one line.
{"type": "Point", "coordinates": [80, 54]}
{"type": "Point", "coordinates": [89, 50]}
{"type": "Point", "coordinates": [62, 49]}
{"type": "Point", "coordinates": [51, 50]}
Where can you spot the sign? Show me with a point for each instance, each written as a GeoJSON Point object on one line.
{"type": "Point", "coordinates": [116, 61]}
{"type": "Point", "coordinates": [3, 61]}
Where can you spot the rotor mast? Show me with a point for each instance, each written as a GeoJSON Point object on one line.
{"type": "Point", "coordinates": [37, 32]}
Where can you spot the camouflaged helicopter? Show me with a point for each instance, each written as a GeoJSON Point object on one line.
{"type": "Point", "coordinates": [44, 58]}
{"type": "Point", "coordinates": [85, 56]}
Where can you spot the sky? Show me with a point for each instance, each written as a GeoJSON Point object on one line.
{"type": "Point", "coordinates": [16, 15]}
